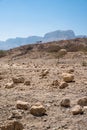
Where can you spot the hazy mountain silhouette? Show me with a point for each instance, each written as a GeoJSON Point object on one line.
{"type": "Point", "coordinates": [51, 36]}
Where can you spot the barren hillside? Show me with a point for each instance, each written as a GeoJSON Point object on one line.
{"type": "Point", "coordinates": [41, 89]}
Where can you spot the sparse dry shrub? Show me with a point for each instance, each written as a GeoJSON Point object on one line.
{"type": "Point", "coordinates": [40, 47]}
{"type": "Point", "coordinates": [53, 48]}
{"type": "Point", "coordinates": [85, 50]}
{"type": "Point", "coordinates": [26, 50]}
{"type": "Point", "coordinates": [73, 47]}
{"type": "Point", "coordinates": [30, 47]}
{"type": "Point", "coordinates": [60, 54]}
{"type": "Point", "coordinates": [2, 53]}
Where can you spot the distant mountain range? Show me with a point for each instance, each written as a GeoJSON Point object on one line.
{"type": "Point", "coordinates": [48, 37]}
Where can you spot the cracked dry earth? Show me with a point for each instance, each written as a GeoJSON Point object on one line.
{"type": "Point", "coordinates": [42, 90]}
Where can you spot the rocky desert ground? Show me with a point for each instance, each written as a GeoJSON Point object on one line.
{"type": "Point", "coordinates": [40, 92]}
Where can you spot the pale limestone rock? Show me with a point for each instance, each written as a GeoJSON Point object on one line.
{"type": "Point", "coordinates": [67, 77]}
{"type": "Point", "coordinates": [77, 110]}
{"type": "Point", "coordinates": [62, 51]}
{"type": "Point", "coordinates": [9, 85]}
{"type": "Point", "coordinates": [22, 105]}
{"type": "Point", "coordinates": [38, 110]}
{"type": "Point", "coordinates": [85, 109]}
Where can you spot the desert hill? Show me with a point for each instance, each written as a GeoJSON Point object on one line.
{"type": "Point", "coordinates": [50, 49]}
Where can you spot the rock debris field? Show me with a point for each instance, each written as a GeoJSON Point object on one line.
{"type": "Point", "coordinates": [43, 93]}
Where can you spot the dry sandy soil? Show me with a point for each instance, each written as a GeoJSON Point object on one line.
{"type": "Point", "coordinates": [42, 90]}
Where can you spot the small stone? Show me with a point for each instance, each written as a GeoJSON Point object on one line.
{"type": "Point", "coordinates": [22, 105]}
{"type": "Point", "coordinates": [48, 127]}
{"type": "Point", "coordinates": [62, 52]}
{"type": "Point", "coordinates": [65, 102]}
{"type": "Point", "coordinates": [12, 125]}
{"type": "Point", "coordinates": [63, 85]}
{"type": "Point", "coordinates": [44, 73]}
{"type": "Point", "coordinates": [70, 70]}
{"type": "Point", "coordinates": [85, 83]}
{"type": "Point", "coordinates": [82, 101]}
{"type": "Point", "coordinates": [85, 109]}
{"type": "Point", "coordinates": [67, 77]}
{"type": "Point", "coordinates": [77, 110]}
{"type": "Point", "coordinates": [16, 115]}
{"type": "Point", "coordinates": [55, 83]}
{"type": "Point", "coordinates": [18, 79]}
{"type": "Point", "coordinates": [38, 110]}
{"type": "Point", "coordinates": [27, 82]}
{"type": "Point", "coordinates": [1, 77]}
{"type": "Point", "coordinates": [9, 85]}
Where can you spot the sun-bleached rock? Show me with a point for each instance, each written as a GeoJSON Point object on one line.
{"type": "Point", "coordinates": [22, 105]}
{"type": "Point", "coordinates": [85, 109]}
{"type": "Point", "coordinates": [77, 110]}
{"type": "Point", "coordinates": [67, 77]}
{"type": "Point", "coordinates": [9, 85]}
{"type": "Point", "coordinates": [62, 51]}
{"type": "Point", "coordinates": [38, 110]}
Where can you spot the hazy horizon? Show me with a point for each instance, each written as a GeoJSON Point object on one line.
{"type": "Point", "coordinates": [23, 18]}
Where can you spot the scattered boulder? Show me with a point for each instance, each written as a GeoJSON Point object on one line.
{"type": "Point", "coordinates": [77, 110]}
{"type": "Point", "coordinates": [38, 110]}
{"type": "Point", "coordinates": [82, 101]}
{"type": "Point", "coordinates": [9, 85]}
{"type": "Point", "coordinates": [18, 79]}
{"type": "Point", "coordinates": [65, 102]}
{"type": "Point", "coordinates": [63, 85]}
{"type": "Point", "coordinates": [12, 125]}
{"type": "Point", "coordinates": [27, 82]}
{"type": "Point", "coordinates": [67, 77]}
{"type": "Point", "coordinates": [22, 105]}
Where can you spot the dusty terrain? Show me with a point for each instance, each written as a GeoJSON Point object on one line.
{"type": "Point", "coordinates": [42, 90]}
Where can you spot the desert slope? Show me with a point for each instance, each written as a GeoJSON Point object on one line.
{"type": "Point", "coordinates": [39, 66]}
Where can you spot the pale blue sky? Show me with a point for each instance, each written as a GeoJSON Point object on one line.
{"type": "Point", "coordinates": [22, 18]}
